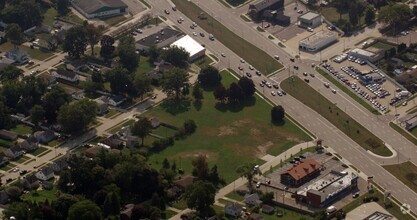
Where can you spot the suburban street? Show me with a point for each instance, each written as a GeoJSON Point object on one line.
{"type": "Point", "coordinates": [310, 119]}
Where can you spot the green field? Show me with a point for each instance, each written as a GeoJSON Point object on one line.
{"type": "Point", "coordinates": [347, 91]}
{"type": "Point", "coordinates": [230, 38]}
{"type": "Point", "coordinates": [22, 129]}
{"type": "Point", "coordinates": [310, 97]}
{"type": "Point", "coordinates": [228, 135]}
{"type": "Point", "coordinates": [40, 196]}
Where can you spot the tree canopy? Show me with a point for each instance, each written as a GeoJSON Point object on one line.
{"type": "Point", "coordinates": [62, 7]}
{"type": "Point", "coordinates": [248, 171]}
{"type": "Point", "coordinates": [93, 34]}
{"type": "Point", "coordinates": [127, 53]}
{"type": "Point", "coordinates": [121, 81]}
{"type": "Point", "coordinates": [84, 210]}
{"type": "Point", "coordinates": [174, 81]}
{"type": "Point", "coordinates": [142, 128]}
{"type": "Point", "coordinates": [75, 42]}
{"type": "Point", "coordinates": [107, 48]}
{"type": "Point", "coordinates": [277, 114]}
{"type": "Point", "coordinates": [248, 87]}
{"type": "Point", "coordinates": [25, 13]}
{"type": "Point", "coordinates": [200, 196]}
{"type": "Point", "coordinates": [395, 14]}
{"type": "Point", "coordinates": [209, 76]}
{"type": "Point", "coordinates": [76, 116]}
{"type": "Point", "coordinates": [15, 34]}
{"type": "Point", "coordinates": [176, 56]}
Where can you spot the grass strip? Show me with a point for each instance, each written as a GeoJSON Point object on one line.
{"type": "Point", "coordinates": [347, 91]}
{"type": "Point", "coordinates": [310, 97]}
{"type": "Point", "coordinates": [252, 54]}
{"type": "Point", "coordinates": [403, 133]}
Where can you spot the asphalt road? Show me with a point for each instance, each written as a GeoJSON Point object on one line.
{"type": "Point", "coordinates": [310, 119]}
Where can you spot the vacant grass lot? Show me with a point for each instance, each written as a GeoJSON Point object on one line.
{"type": "Point", "coordinates": [403, 133]}
{"type": "Point", "coordinates": [22, 129]}
{"type": "Point", "coordinates": [347, 91]}
{"type": "Point", "coordinates": [40, 196]}
{"type": "Point", "coordinates": [228, 135]}
{"type": "Point", "coordinates": [331, 14]}
{"type": "Point", "coordinates": [406, 172]}
{"type": "Point", "coordinates": [307, 95]}
{"type": "Point", "coordinates": [253, 55]}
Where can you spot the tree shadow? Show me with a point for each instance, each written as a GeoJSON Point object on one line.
{"type": "Point", "coordinates": [198, 104]}
{"type": "Point", "coordinates": [251, 101]}
{"type": "Point", "coordinates": [176, 106]}
{"type": "Point", "coordinates": [221, 106]}
{"type": "Point", "coordinates": [278, 123]}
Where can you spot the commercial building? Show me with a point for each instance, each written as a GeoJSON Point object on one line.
{"type": "Point", "coordinates": [194, 49]}
{"type": "Point", "coordinates": [162, 38]}
{"type": "Point", "coordinates": [372, 78]}
{"type": "Point", "coordinates": [300, 173]}
{"type": "Point", "coordinates": [409, 122]}
{"type": "Point", "coordinates": [99, 8]}
{"type": "Point", "coordinates": [257, 8]}
{"type": "Point", "coordinates": [318, 41]}
{"type": "Point", "coordinates": [329, 188]}
{"type": "Point", "coordinates": [371, 56]}
{"type": "Point", "coordinates": [309, 20]}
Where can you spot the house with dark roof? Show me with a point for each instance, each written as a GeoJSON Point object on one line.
{"type": "Point", "coordinates": [30, 179]}
{"type": "Point", "coordinates": [14, 152]}
{"type": "Point", "coordinates": [8, 135]}
{"type": "Point", "coordinates": [255, 216]}
{"type": "Point", "coordinates": [160, 39]}
{"type": "Point", "coordinates": [102, 107]}
{"type": "Point", "coordinates": [45, 173]}
{"type": "Point", "coordinates": [30, 144]}
{"type": "Point", "coordinates": [60, 164]}
{"type": "Point", "coordinates": [300, 173]}
{"type": "Point", "coordinates": [99, 8]}
{"type": "Point", "coordinates": [233, 209]}
{"type": "Point", "coordinates": [3, 159]}
{"type": "Point", "coordinates": [257, 8]}
{"type": "Point", "coordinates": [45, 136]}
{"type": "Point", "coordinates": [66, 75]}
{"type": "Point", "coordinates": [252, 199]}
{"type": "Point", "coordinates": [183, 182]}
{"type": "Point", "coordinates": [19, 56]}
{"type": "Point", "coordinates": [113, 141]}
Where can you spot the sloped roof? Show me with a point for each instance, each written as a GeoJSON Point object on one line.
{"type": "Point", "coordinates": [92, 6]}
{"type": "Point", "coordinates": [66, 73]}
{"type": "Point", "coordinates": [302, 169]}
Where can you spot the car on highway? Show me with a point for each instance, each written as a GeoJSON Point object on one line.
{"type": "Point", "coordinates": [240, 68]}
{"type": "Point", "coordinates": [280, 93]}
{"type": "Point", "coordinates": [268, 84]}
{"type": "Point", "coordinates": [248, 74]}
{"type": "Point", "coordinates": [283, 92]}
{"type": "Point", "coordinates": [258, 73]}
{"type": "Point", "coordinates": [192, 27]}
{"type": "Point", "coordinates": [223, 55]}
{"type": "Point", "coordinates": [179, 21]}
{"type": "Point", "coordinates": [261, 85]}
{"type": "Point", "coordinates": [153, 97]}
{"type": "Point", "coordinates": [306, 80]}
{"type": "Point", "coordinates": [267, 25]}
{"type": "Point", "coordinates": [194, 24]}
{"type": "Point", "coordinates": [166, 11]}
{"type": "Point", "coordinates": [292, 59]}
{"type": "Point", "coordinates": [251, 67]}
{"type": "Point", "coordinates": [174, 8]}
{"type": "Point", "coordinates": [404, 103]}
{"type": "Point", "coordinates": [264, 81]}
{"type": "Point", "coordinates": [275, 86]}
{"type": "Point", "coordinates": [309, 29]}
{"type": "Point", "coordinates": [305, 74]}
{"type": "Point", "coordinates": [140, 31]}
{"type": "Point", "coordinates": [202, 34]}
{"type": "Point", "coordinates": [355, 195]}
{"type": "Point", "coordinates": [334, 91]}
{"type": "Point", "coordinates": [276, 57]}
{"type": "Point", "coordinates": [194, 33]}
{"type": "Point", "coordinates": [326, 84]}
{"type": "Point", "coordinates": [16, 169]}
{"type": "Point", "coordinates": [300, 11]}
{"type": "Point", "coordinates": [312, 75]}
{"type": "Point", "coordinates": [23, 172]}
{"type": "Point", "coordinates": [134, 33]}
{"type": "Point", "coordinates": [211, 37]}
{"type": "Point", "coordinates": [273, 93]}
{"type": "Point", "coordinates": [242, 60]}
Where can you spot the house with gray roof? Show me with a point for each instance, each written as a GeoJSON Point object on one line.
{"type": "Point", "coordinates": [45, 173]}
{"type": "Point", "coordinates": [14, 152]}
{"type": "Point", "coordinates": [99, 8]}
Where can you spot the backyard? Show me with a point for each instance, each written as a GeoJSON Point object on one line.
{"type": "Point", "coordinates": [230, 38]}
{"type": "Point", "coordinates": [22, 129]}
{"type": "Point", "coordinates": [224, 133]}
{"type": "Point", "coordinates": [310, 97]}
{"type": "Point", "coordinates": [40, 196]}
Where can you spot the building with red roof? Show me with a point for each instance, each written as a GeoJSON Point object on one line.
{"type": "Point", "coordinates": [300, 173]}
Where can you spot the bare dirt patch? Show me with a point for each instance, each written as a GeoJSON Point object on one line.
{"type": "Point", "coordinates": [262, 149]}
{"type": "Point", "coordinates": [226, 130]}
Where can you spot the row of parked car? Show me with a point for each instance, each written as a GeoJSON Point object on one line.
{"type": "Point", "coordinates": [354, 74]}
{"type": "Point", "coordinates": [357, 60]}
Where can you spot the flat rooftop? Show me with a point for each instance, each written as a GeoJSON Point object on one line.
{"type": "Point", "coordinates": [318, 37]}
{"type": "Point", "coordinates": [309, 16]}
{"type": "Point", "coordinates": [158, 37]}
{"type": "Point", "coordinates": [369, 211]}
{"type": "Point", "coordinates": [189, 45]}
{"type": "Point", "coordinates": [363, 52]}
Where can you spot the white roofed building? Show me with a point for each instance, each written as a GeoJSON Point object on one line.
{"type": "Point", "coordinates": [195, 49]}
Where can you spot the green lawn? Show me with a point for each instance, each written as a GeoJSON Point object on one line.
{"type": "Point", "coordinates": [168, 214]}
{"type": "Point", "coordinates": [382, 45]}
{"type": "Point", "coordinates": [347, 91]}
{"type": "Point", "coordinates": [403, 133]}
{"type": "Point", "coordinates": [112, 21]}
{"type": "Point", "coordinates": [310, 97]}
{"type": "Point", "coordinates": [180, 204]}
{"type": "Point", "coordinates": [406, 172]}
{"type": "Point", "coordinates": [235, 196]}
{"type": "Point", "coordinates": [164, 131]}
{"type": "Point", "coordinates": [145, 3]}
{"type": "Point", "coordinates": [203, 61]}
{"type": "Point", "coordinates": [39, 151]}
{"type": "Point", "coordinates": [37, 54]}
{"type": "Point", "coordinates": [144, 65]}
{"type": "Point", "coordinates": [5, 143]}
{"type": "Point", "coordinates": [331, 14]}
{"type": "Point", "coordinates": [111, 113]}
{"type": "Point", "coordinates": [23, 159]}
{"type": "Point", "coordinates": [22, 129]}
{"type": "Point", "coordinates": [7, 167]}
{"type": "Point", "coordinates": [40, 196]}
{"type": "Point", "coordinates": [53, 143]}
{"type": "Point", "coordinates": [228, 135]}
{"type": "Point", "coordinates": [73, 18]}
{"type": "Point", "coordinates": [230, 38]}
{"type": "Point", "coordinates": [48, 16]}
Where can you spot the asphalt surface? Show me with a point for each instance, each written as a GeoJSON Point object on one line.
{"type": "Point", "coordinates": [311, 120]}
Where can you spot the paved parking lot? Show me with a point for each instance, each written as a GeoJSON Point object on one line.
{"type": "Point", "coordinates": [134, 6]}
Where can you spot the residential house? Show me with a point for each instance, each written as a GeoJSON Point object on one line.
{"type": "Point", "coordinates": [183, 182]}
{"type": "Point", "coordinates": [45, 173]}
{"type": "Point", "coordinates": [114, 101]}
{"type": "Point", "coordinates": [30, 144]}
{"type": "Point", "coordinates": [113, 141]}
{"type": "Point", "coordinates": [126, 214]}
{"type": "Point", "coordinates": [233, 209]}
{"type": "Point", "coordinates": [161, 66]}
{"type": "Point", "coordinates": [49, 44]}
{"type": "Point", "coordinates": [14, 152]}
{"type": "Point", "coordinates": [4, 197]}
{"type": "Point", "coordinates": [19, 56]}
{"type": "Point", "coordinates": [257, 8]}
{"type": "Point", "coordinates": [66, 75]}
{"type": "Point", "coordinates": [267, 209]}
{"type": "Point", "coordinates": [4, 62]}
{"type": "Point", "coordinates": [3, 159]}
{"type": "Point", "coordinates": [102, 108]}
{"type": "Point", "coordinates": [60, 164]}
{"type": "Point", "coordinates": [30, 179]}
{"type": "Point", "coordinates": [78, 95]}
{"type": "Point", "coordinates": [8, 135]}
{"type": "Point", "coordinates": [252, 199]}
{"type": "Point", "coordinates": [48, 79]}
{"type": "Point", "coordinates": [45, 136]}
{"type": "Point", "coordinates": [77, 65]}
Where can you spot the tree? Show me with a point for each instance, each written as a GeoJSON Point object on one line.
{"type": "Point", "coordinates": [197, 92]}
{"type": "Point", "coordinates": [153, 53]}
{"type": "Point", "coordinates": [220, 93]}
{"type": "Point", "coordinates": [190, 126]}
{"type": "Point", "coordinates": [127, 53]}
{"type": "Point", "coordinates": [37, 114]}
{"type": "Point", "coordinates": [93, 35]}
{"type": "Point", "coordinates": [200, 167]}
{"type": "Point", "coordinates": [401, 47]}
{"type": "Point", "coordinates": [52, 101]}
{"type": "Point", "coordinates": [62, 6]}
{"type": "Point", "coordinates": [14, 192]}
{"type": "Point", "coordinates": [15, 34]}
{"type": "Point", "coordinates": [174, 81]}
{"type": "Point", "coordinates": [200, 196]}
{"type": "Point", "coordinates": [247, 85]}
{"type": "Point", "coordinates": [341, 6]}
{"type": "Point", "coordinates": [24, 13]}
{"type": "Point", "coordinates": [75, 42]}
{"type": "Point", "coordinates": [176, 56]}
{"type": "Point", "coordinates": [209, 76]}
{"type": "Point", "coordinates": [76, 116]}
{"type": "Point", "coordinates": [248, 171]}
{"type": "Point", "coordinates": [120, 81]}
{"type": "Point", "coordinates": [214, 177]}
{"type": "Point", "coordinates": [277, 114]}
{"type": "Point", "coordinates": [111, 204]}
{"type": "Point", "coordinates": [353, 13]}
{"type": "Point", "coordinates": [142, 84]}
{"type": "Point", "coordinates": [5, 120]}
{"type": "Point", "coordinates": [396, 14]}
{"type": "Point", "coordinates": [62, 205]}
{"type": "Point", "coordinates": [142, 128]}
{"type": "Point", "coordinates": [370, 15]}
{"type": "Point", "coordinates": [19, 210]}
{"type": "Point", "coordinates": [107, 48]}
{"type": "Point", "coordinates": [10, 73]}
{"type": "Point", "coordinates": [235, 93]}
{"type": "Point", "coordinates": [84, 210]}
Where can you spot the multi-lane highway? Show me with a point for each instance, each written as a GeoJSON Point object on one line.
{"type": "Point", "coordinates": [310, 119]}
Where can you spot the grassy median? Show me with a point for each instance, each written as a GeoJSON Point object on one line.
{"type": "Point", "coordinates": [347, 91]}
{"type": "Point", "coordinates": [405, 172]}
{"type": "Point", "coordinates": [310, 97]}
{"type": "Point", "coordinates": [253, 55]}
